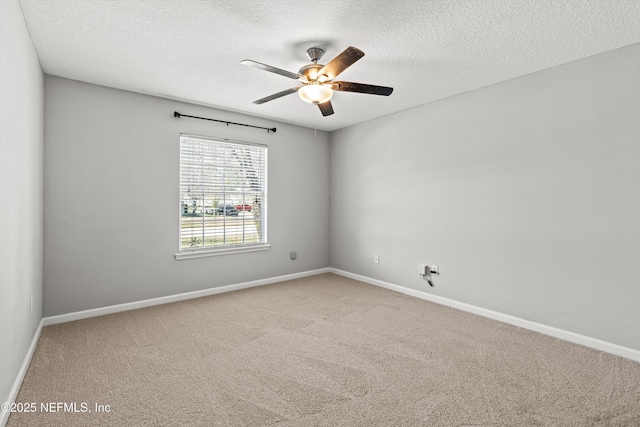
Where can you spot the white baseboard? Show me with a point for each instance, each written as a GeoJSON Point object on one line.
{"type": "Point", "coordinates": [94, 312]}
{"type": "Point", "coordinates": [562, 334]}
{"type": "Point", "coordinates": [13, 393]}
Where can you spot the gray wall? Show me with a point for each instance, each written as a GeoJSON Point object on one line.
{"type": "Point", "coordinates": [21, 104]}
{"type": "Point", "coordinates": [111, 165]}
{"type": "Point", "coordinates": [526, 194]}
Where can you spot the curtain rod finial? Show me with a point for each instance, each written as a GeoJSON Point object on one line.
{"type": "Point", "coordinates": [176, 114]}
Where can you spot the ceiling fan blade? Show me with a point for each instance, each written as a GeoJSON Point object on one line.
{"type": "Point", "coordinates": [341, 62]}
{"type": "Point", "coordinates": [275, 70]}
{"type": "Point", "coordinates": [276, 95]}
{"type": "Point", "coordinates": [362, 88]}
{"type": "Point", "coordinates": [326, 108]}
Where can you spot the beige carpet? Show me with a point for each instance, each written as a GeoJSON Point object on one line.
{"type": "Point", "coordinates": [320, 351]}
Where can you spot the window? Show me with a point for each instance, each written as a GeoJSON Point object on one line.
{"type": "Point", "coordinates": [223, 197]}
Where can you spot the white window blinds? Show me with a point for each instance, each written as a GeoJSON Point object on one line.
{"type": "Point", "coordinates": [223, 193]}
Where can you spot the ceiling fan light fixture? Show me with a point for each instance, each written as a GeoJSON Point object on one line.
{"type": "Point", "coordinates": [315, 93]}
{"type": "Point", "coordinates": [318, 81]}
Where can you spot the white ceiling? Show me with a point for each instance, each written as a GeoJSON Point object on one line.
{"type": "Point", "coordinates": [426, 49]}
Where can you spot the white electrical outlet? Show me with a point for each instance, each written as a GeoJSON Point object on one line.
{"type": "Point", "coordinates": [376, 259]}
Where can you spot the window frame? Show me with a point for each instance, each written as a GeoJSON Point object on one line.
{"type": "Point", "coordinates": [224, 249]}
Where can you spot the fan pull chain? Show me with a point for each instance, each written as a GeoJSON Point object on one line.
{"type": "Point", "coordinates": [315, 122]}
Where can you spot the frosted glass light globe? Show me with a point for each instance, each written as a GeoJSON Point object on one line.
{"type": "Point", "coordinates": [315, 93]}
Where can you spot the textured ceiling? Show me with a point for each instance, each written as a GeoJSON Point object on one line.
{"type": "Point", "coordinates": [427, 50]}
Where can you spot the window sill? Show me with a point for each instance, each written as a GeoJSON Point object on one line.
{"type": "Point", "coordinates": [222, 251]}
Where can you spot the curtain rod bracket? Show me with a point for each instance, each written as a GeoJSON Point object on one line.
{"type": "Point", "coordinates": [178, 115]}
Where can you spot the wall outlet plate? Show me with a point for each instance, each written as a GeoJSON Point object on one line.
{"type": "Point", "coordinates": [293, 255]}
{"type": "Point", "coordinates": [423, 269]}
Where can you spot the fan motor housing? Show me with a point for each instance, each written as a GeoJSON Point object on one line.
{"type": "Point", "coordinates": [311, 71]}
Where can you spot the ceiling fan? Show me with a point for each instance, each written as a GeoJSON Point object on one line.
{"type": "Point", "coordinates": [317, 79]}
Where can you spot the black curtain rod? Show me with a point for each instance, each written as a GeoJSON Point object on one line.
{"type": "Point", "coordinates": [178, 115]}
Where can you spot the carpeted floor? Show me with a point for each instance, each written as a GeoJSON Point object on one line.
{"type": "Point", "coordinates": [319, 351]}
